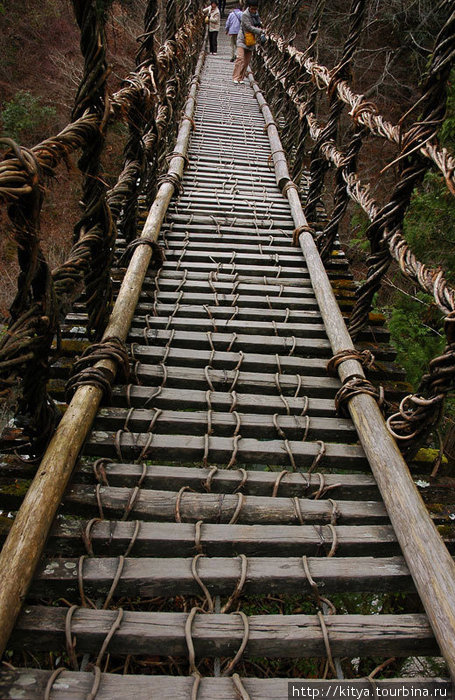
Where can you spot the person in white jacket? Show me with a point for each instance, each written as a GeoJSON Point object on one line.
{"type": "Point", "coordinates": [214, 21]}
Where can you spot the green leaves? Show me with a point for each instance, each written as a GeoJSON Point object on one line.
{"type": "Point", "coordinates": [24, 116]}
{"type": "Point", "coordinates": [416, 329]}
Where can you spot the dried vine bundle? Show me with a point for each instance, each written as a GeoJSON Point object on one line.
{"type": "Point", "coordinates": [293, 80]}
{"type": "Point", "coordinates": [149, 101]}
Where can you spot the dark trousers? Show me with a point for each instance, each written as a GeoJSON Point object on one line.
{"type": "Point", "coordinates": [213, 41]}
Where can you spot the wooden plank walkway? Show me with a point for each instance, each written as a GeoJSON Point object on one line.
{"type": "Point", "coordinates": [222, 470]}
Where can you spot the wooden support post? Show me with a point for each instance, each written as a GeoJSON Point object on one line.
{"type": "Point", "coordinates": [25, 542]}
{"type": "Point", "coordinates": [426, 555]}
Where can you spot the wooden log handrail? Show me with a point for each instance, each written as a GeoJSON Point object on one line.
{"type": "Point", "coordinates": [429, 562]}
{"type": "Point", "coordinates": [25, 542]}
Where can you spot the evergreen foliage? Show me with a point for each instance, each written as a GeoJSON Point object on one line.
{"type": "Point", "coordinates": [26, 117]}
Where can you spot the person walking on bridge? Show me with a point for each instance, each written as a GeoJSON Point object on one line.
{"type": "Point", "coordinates": [232, 28]}
{"type": "Point", "coordinates": [249, 31]}
{"type": "Point", "coordinates": [212, 18]}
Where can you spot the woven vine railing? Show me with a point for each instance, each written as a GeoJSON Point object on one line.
{"type": "Point", "coordinates": [293, 81]}
{"type": "Point", "coordinates": [149, 102]}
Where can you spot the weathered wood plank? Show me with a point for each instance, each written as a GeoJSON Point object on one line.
{"type": "Point", "coordinates": [311, 366]}
{"type": "Point", "coordinates": [220, 450]}
{"type": "Point", "coordinates": [192, 399]}
{"type": "Point", "coordinates": [228, 205]}
{"type": "Point", "coordinates": [274, 636]}
{"type": "Point", "coordinates": [242, 382]}
{"type": "Point", "coordinates": [310, 332]}
{"type": "Point", "coordinates": [195, 423]}
{"type": "Point", "coordinates": [75, 686]}
{"type": "Point", "coordinates": [277, 272]}
{"type": "Point", "coordinates": [162, 505]}
{"type": "Point", "coordinates": [246, 255]}
{"type": "Point", "coordinates": [193, 253]}
{"type": "Point", "coordinates": [232, 219]}
{"type": "Point", "coordinates": [271, 283]}
{"type": "Point", "coordinates": [148, 577]}
{"type": "Point", "coordinates": [253, 303]}
{"type": "Point", "coordinates": [246, 314]}
{"type": "Point", "coordinates": [255, 483]}
{"type": "Point", "coordinates": [178, 539]}
{"type": "Point", "coordinates": [248, 343]}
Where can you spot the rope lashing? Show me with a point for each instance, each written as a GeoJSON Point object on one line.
{"type": "Point", "coordinates": [304, 228]}
{"type": "Point", "coordinates": [173, 179]}
{"type": "Point", "coordinates": [289, 185]}
{"type": "Point", "coordinates": [354, 386]}
{"type": "Point", "coordinates": [85, 374]}
{"type": "Point", "coordinates": [157, 250]}
{"type": "Point", "coordinates": [365, 357]}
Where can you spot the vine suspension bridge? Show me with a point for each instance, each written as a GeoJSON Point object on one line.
{"type": "Point", "coordinates": [224, 449]}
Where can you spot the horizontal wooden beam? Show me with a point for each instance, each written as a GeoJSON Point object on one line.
{"type": "Point", "coordinates": [221, 450]}
{"type": "Point", "coordinates": [275, 636]}
{"type": "Point", "coordinates": [254, 483]}
{"type": "Point", "coordinates": [148, 577]}
{"type": "Point", "coordinates": [73, 686]}
{"type": "Point", "coordinates": [211, 508]}
{"type": "Point", "coordinates": [112, 538]}
{"type": "Point", "coordinates": [253, 425]}
{"type": "Point", "coordinates": [220, 401]}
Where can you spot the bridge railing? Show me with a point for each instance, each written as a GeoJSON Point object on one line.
{"type": "Point", "coordinates": [149, 102]}
{"type": "Point", "coordinates": [293, 80]}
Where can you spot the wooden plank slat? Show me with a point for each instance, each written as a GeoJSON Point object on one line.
{"type": "Point", "coordinates": [317, 347]}
{"type": "Point", "coordinates": [138, 396]}
{"type": "Point", "coordinates": [178, 539]}
{"type": "Point", "coordinates": [274, 636]}
{"type": "Point", "coordinates": [243, 382]}
{"type": "Point", "coordinates": [148, 577]}
{"type": "Point", "coordinates": [243, 313]}
{"type": "Point", "coordinates": [242, 301]}
{"type": "Point", "coordinates": [252, 362]}
{"type": "Point", "coordinates": [253, 425]}
{"type": "Point", "coordinates": [277, 272]}
{"type": "Point", "coordinates": [307, 332]}
{"type": "Point", "coordinates": [194, 253]}
{"type": "Point", "coordinates": [160, 505]}
{"type": "Point", "coordinates": [74, 686]}
{"type": "Point", "coordinates": [256, 483]}
{"type": "Point", "coordinates": [220, 450]}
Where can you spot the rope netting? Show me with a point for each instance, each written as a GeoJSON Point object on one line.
{"type": "Point", "coordinates": [149, 102]}
{"type": "Point", "coordinates": [296, 83]}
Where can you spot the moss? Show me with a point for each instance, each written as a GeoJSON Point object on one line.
{"type": "Point", "coordinates": [446, 531]}
{"type": "Point", "coordinates": [436, 507]}
{"type": "Point", "coordinates": [428, 455]}
{"type": "Point", "coordinates": [5, 525]}
{"type": "Point", "coordinates": [376, 318]}
{"type": "Point", "coordinates": [73, 347]}
{"type": "Point", "coordinates": [343, 284]}
{"type": "Point", "coordinates": [16, 488]}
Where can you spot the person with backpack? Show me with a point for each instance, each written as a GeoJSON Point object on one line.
{"type": "Point", "coordinates": [232, 28]}
{"type": "Point", "coordinates": [249, 32]}
{"type": "Point", "coordinates": [212, 18]}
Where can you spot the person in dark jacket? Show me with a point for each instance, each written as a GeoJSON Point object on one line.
{"type": "Point", "coordinates": [249, 31]}
{"type": "Point", "coordinates": [232, 28]}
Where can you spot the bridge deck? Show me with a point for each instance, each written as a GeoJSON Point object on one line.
{"type": "Point", "coordinates": [226, 472]}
